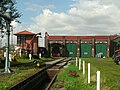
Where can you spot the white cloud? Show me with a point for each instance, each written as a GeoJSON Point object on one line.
{"type": "Point", "coordinates": [84, 17]}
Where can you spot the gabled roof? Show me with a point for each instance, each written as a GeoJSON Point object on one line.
{"type": "Point", "coordinates": [24, 32]}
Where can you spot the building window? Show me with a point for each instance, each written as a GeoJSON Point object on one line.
{"type": "Point", "coordinates": [18, 39]}
{"type": "Point", "coordinates": [21, 39]}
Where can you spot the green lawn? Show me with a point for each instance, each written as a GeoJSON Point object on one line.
{"type": "Point", "coordinates": [110, 76]}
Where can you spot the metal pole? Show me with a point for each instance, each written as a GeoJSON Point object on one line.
{"type": "Point", "coordinates": [12, 36]}
{"type": "Point", "coordinates": [7, 64]}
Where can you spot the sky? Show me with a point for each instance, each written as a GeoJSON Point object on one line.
{"type": "Point", "coordinates": [69, 17]}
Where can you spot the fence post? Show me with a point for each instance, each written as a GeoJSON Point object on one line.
{"type": "Point", "coordinates": [30, 56]}
{"type": "Point", "coordinates": [20, 53]}
{"type": "Point", "coordinates": [98, 80]}
{"type": "Point", "coordinates": [83, 67]}
{"type": "Point", "coordinates": [80, 64]}
{"type": "Point", "coordinates": [39, 55]}
{"type": "Point", "coordinates": [76, 61]}
{"type": "Point", "coordinates": [88, 72]}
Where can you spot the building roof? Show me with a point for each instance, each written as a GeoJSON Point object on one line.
{"type": "Point", "coordinates": [81, 37]}
{"type": "Point", "coordinates": [24, 32]}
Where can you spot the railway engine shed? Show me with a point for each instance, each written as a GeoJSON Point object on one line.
{"type": "Point", "coordinates": [79, 46]}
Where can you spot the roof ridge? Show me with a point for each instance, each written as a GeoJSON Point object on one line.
{"type": "Point", "coordinates": [24, 32]}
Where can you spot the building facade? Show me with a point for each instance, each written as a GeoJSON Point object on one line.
{"type": "Point", "coordinates": [81, 46]}
{"type": "Point", "coordinates": [27, 41]}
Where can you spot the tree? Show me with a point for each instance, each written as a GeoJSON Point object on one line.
{"type": "Point", "coordinates": [14, 13]}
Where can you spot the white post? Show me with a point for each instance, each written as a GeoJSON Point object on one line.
{"type": "Point", "coordinates": [76, 61]}
{"type": "Point", "coordinates": [98, 80]}
{"type": "Point", "coordinates": [88, 72]}
{"type": "Point", "coordinates": [4, 54]}
{"type": "Point", "coordinates": [10, 57]}
{"type": "Point", "coordinates": [83, 67]}
{"type": "Point", "coordinates": [30, 56]}
{"type": "Point", "coordinates": [39, 55]}
{"type": "Point", "coordinates": [80, 64]}
{"type": "Point", "coordinates": [20, 53]}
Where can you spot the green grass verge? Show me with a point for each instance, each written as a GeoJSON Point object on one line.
{"type": "Point", "coordinates": [21, 72]}
{"type": "Point", "coordinates": [110, 76]}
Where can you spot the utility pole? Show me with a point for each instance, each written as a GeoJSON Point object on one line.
{"type": "Point", "coordinates": [8, 21]}
{"type": "Point", "coordinates": [7, 14]}
{"type": "Point", "coordinates": [12, 35]}
{"type": "Point", "coordinates": [7, 64]}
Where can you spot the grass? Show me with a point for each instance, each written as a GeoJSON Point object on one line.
{"type": "Point", "coordinates": [7, 81]}
{"type": "Point", "coordinates": [23, 69]}
{"type": "Point", "coordinates": [110, 76]}
{"type": "Point", "coordinates": [21, 72]}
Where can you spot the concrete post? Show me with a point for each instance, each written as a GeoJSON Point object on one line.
{"type": "Point", "coordinates": [88, 72]}
{"type": "Point", "coordinates": [98, 80]}
{"type": "Point", "coordinates": [20, 52]}
{"type": "Point", "coordinates": [76, 61]}
{"type": "Point", "coordinates": [80, 64]}
{"type": "Point", "coordinates": [83, 67]}
{"type": "Point", "coordinates": [30, 56]}
{"type": "Point", "coordinates": [39, 55]}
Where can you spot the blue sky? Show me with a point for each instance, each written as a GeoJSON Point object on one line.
{"type": "Point", "coordinates": [32, 8]}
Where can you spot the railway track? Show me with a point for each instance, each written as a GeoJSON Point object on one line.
{"type": "Point", "coordinates": [43, 79]}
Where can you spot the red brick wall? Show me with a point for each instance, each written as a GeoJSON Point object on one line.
{"type": "Point", "coordinates": [90, 39]}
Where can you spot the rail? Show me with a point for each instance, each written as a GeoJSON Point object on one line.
{"type": "Point", "coordinates": [43, 79]}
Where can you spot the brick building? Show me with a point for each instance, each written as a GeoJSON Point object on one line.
{"type": "Point", "coordinates": [27, 41]}
{"type": "Point", "coordinates": [68, 46]}
{"type": "Point", "coordinates": [81, 46]}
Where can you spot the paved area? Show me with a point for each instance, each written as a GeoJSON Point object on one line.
{"type": "Point", "coordinates": [52, 62]}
